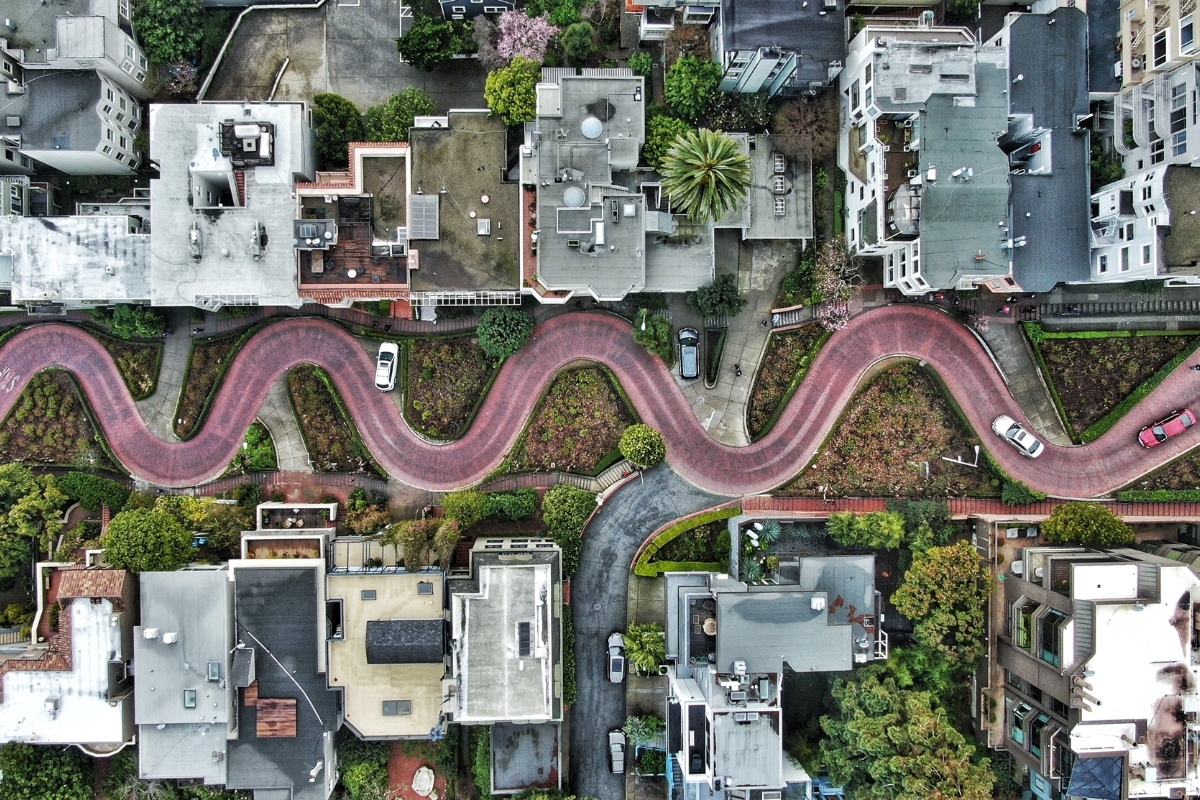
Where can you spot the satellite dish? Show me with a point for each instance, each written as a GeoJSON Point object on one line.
{"type": "Point", "coordinates": [574, 197]}
{"type": "Point", "coordinates": [592, 128]}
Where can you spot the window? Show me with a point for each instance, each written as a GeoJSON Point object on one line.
{"type": "Point", "coordinates": [108, 134]}
{"type": "Point", "coordinates": [425, 587]}
{"type": "Point", "coordinates": [1124, 266]}
{"type": "Point", "coordinates": [854, 96]}
{"type": "Point", "coordinates": [1178, 119]}
{"type": "Point", "coordinates": [1023, 625]}
{"type": "Point", "coordinates": [1186, 35]}
{"type": "Point", "coordinates": [1129, 231]}
{"type": "Point", "coordinates": [124, 143]}
{"type": "Point", "coordinates": [108, 109]}
{"type": "Point", "coordinates": [1035, 734]}
{"type": "Point", "coordinates": [109, 94]}
{"type": "Point", "coordinates": [397, 708]}
{"type": "Point", "coordinates": [189, 698]}
{"type": "Point", "coordinates": [1103, 264]}
{"type": "Point", "coordinates": [1160, 48]}
{"type": "Point", "coordinates": [1059, 707]}
{"type": "Point", "coordinates": [1020, 715]}
{"type": "Point", "coordinates": [1147, 251]}
{"type": "Point", "coordinates": [122, 103]}
{"type": "Point", "coordinates": [1147, 192]}
{"type": "Point", "coordinates": [1050, 637]}
{"type": "Point", "coordinates": [867, 96]}
{"type": "Point", "coordinates": [140, 76]}
{"type": "Point", "coordinates": [120, 117]}
{"type": "Point", "coordinates": [1156, 151]}
{"type": "Point", "coordinates": [128, 50]}
{"type": "Point", "coordinates": [867, 75]}
{"type": "Point", "coordinates": [214, 671]}
{"type": "Point", "coordinates": [367, 594]}
{"type": "Point", "coordinates": [120, 157]}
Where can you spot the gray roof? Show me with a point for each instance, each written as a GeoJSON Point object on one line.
{"type": "Point", "coordinates": [406, 641]}
{"type": "Point", "coordinates": [960, 219]}
{"type": "Point", "coordinates": [277, 615]}
{"type": "Point", "coordinates": [58, 110]}
{"type": "Point", "coordinates": [524, 756]}
{"type": "Point", "coordinates": [816, 33]}
{"type": "Point", "coordinates": [748, 753]}
{"type": "Point", "coordinates": [1104, 35]}
{"type": "Point", "coordinates": [1053, 59]}
{"type": "Point", "coordinates": [796, 221]}
{"type": "Point", "coordinates": [771, 628]}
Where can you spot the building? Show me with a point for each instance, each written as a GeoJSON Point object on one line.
{"type": "Point", "coordinates": [783, 50]}
{"type": "Point", "coordinates": [1155, 38]}
{"type": "Point", "coordinates": [968, 162]}
{"type": "Point", "coordinates": [223, 208]}
{"type": "Point", "coordinates": [728, 644]}
{"type": "Point", "coordinates": [1145, 227]}
{"type": "Point", "coordinates": [470, 9]}
{"type": "Point", "coordinates": [779, 203]}
{"type": "Point", "coordinates": [74, 685]}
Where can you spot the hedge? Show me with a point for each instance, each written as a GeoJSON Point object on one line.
{"type": "Point", "coordinates": [648, 570]}
{"type": "Point", "coordinates": [1159, 495]}
{"type": "Point", "coordinates": [801, 371]}
{"type": "Point", "coordinates": [568, 656]}
{"type": "Point", "coordinates": [1100, 427]}
{"type": "Point", "coordinates": [1112, 334]}
{"type": "Point", "coordinates": [91, 491]}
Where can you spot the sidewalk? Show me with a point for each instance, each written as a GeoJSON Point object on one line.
{"type": "Point", "coordinates": [276, 414]}
{"type": "Point", "coordinates": [1008, 345]}
{"type": "Point", "coordinates": [158, 410]}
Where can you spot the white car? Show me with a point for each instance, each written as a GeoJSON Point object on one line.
{"type": "Point", "coordinates": [616, 658]}
{"type": "Point", "coordinates": [1015, 434]}
{"type": "Point", "coordinates": [616, 751]}
{"type": "Point", "coordinates": [385, 367]}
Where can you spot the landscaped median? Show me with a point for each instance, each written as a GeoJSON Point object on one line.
{"type": "Point", "coordinates": [788, 356]}
{"type": "Point", "coordinates": [646, 566]}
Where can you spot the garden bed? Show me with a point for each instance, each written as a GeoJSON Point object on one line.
{"type": "Point", "coordinates": [138, 363]}
{"type": "Point", "coordinates": [789, 355]}
{"type": "Point", "coordinates": [49, 425]}
{"type": "Point", "coordinates": [330, 437]}
{"type": "Point", "coordinates": [714, 346]}
{"type": "Point", "coordinates": [208, 362]}
{"type": "Point", "coordinates": [257, 453]}
{"type": "Point", "coordinates": [697, 535]}
{"type": "Point", "coordinates": [576, 427]}
{"type": "Point", "coordinates": [708, 543]}
{"type": "Point", "coordinates": [446, 379]}
{"type": "Point", "coordinates": [1094, 372]}
{"type": "Point", "coordinates": [890, 442]}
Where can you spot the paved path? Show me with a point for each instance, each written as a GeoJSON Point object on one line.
{"type": "Point", "coordinates": [159, 408]}
{"type": "Point", "coordinates": [1025, 380]}
{"type": "Point", "coordinates": [1106, 464]}
{"type": "Point", "coordinates": [276, 413]}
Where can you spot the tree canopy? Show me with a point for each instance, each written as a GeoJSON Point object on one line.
{"type": "Point", "coordinates": [1086, 523]}
{"type": "Point", "coordinates": [146, 540]}
{"type": "Point", "coordinates": [645, 646]}
{"type": "Point", "coordinates": [168, 30]}
{"type": "Point", "coordinates": [642, 446]}
{"type": "Point", "coordinates": [518, 34]}
{"type": "Point", "coordinates": [43, 772]}
{"type": "Point", "coordinates": [578, 43]}
{"type": "Point", "coordinates": [391, 121]}
{"type": "Point", "coordinates": [944, 593]}
{"type": "Point", "coordinates": [126, 321]}
{"type": "Point", "coordinates": [706, 174]}
{"type": "Point", "coordinates": [719, 297]}
{"type": "Point", "coordinates": [877, 529]}
{"type": "Point", "coordinates": [691, 84]}
{"type": "Point", "coordinates": [429, 43]}
{"type": "Point", "coordinates": [565, 510]}
{"type": "Point", "coordinates": [655, 337]}
{"type": "Point", "coordinates": [30, 516]}
{"type": "Point", "coordinates": [662, 131]}
{"type": "Point", "coordinates": [92, 491]}
{"type": "Point", "coordinates": [337, 122]}
{"type": "Point", "coordinates": [511, 92]}
{"type": "Point", "coordinates": [504, 330]}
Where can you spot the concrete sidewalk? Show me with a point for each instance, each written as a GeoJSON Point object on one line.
{"type": "Point", "coordinates": [158, 410]}
{"type": "Point", "coordinates": [277, 415]}
{"type": "Point", "coordinates": [1013, 353]}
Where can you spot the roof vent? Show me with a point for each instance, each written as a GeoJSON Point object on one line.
{"type": "Point", "coordinates": [817, 603]}
{"type": "Point", "coordinates": [739, 668]}
{"type": "Point", "coordinates": [12, 122]}
{"type": "Point", "coordinates": [170, 637]}
{"type": "Point", "coordinates": [150, 633]}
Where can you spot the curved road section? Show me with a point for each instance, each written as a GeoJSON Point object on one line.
{"type": "Point", "coordinates": [924, 334]}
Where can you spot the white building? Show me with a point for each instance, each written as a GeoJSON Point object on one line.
{"type": "Point", "coordinates": [1146, 226]}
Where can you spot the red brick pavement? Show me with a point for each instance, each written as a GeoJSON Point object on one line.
{"type": "Point", "coordinates": [401, 769]}
{"type": "Point", "coordinates": [931, 336]}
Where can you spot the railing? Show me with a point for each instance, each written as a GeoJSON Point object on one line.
{"type": "Point", "coordinates": [12, 637]}
{"type": "Point", "coordinates": [1085, 630]}
{"type": "Point", "coordinates": [881, 645]}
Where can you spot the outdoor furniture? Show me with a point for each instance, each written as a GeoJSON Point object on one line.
{"type": "Point", "coordinates": [710, 627]}
{"type": "Point", "coordinates": [287, 523]}
{"type": "Point", "coordinates": [697, 629]}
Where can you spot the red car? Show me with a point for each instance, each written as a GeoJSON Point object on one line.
{"type": "Point", "coordinates": [1173, 424]}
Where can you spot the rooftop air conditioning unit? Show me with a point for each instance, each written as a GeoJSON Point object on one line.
{"type": "Point", "coordinates": [150, 633]}
{"type": "Point", "coordinates": [739, 668]}
{"type": "Point", "coordinates": [16, 87]}
{"type": "Point", "coordinates": [170, 637]}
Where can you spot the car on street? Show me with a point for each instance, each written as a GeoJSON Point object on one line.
{"type": "Point", "coordinates": [1015, 434]}
{"type": "Point", "coordinates": [616, 751]}
{"type": "Point", "coordinates": [689, 354]}
{"type": "Point", "coordinates": [385, 367]}
{"type": "Point", "coordinates": [616, 658]}
{"type": "Point", "coordinates": [1173, 424]}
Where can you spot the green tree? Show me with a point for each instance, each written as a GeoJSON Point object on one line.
{"type": "Point", "coordinates": [504, 330]}
{"type": "Point", "coordinates": [642, 446]}
{"type": "Point", "coordinates": [337, 122]}
{"type": "Point", "coordinates": [92, 491]}
{"type": "Point", "coordinates": [655, 336]}
{"type": "Point", "coordinates": [645, 646]}
{"type": "Point", "coordinates": [888, 743]}
{"type": "Point", "coordinates": [877, 529]}
{"type": "Point", "coordinates": [127, 322]}
{"type": "Point", "coordinates": [391, 121]}
{"type": "Point", "coordinates": [642, 63]}
{"type": "Point", "coordinates": [565, 510]}
{"type": "Point", "coordinates": [445, 541]}
{"type": "Point", "coordinates": [943, 593]}
{"type": "Point", "coordinates": [719, 297]}
{"type": "Point", "coordinates": [691, 84]}
{"type": "Point", "coordinates": [643, 730]}
{"type": "Point", "coordinates": [706, 175]}
{"type": "Point", "coordinates": [1086, 523]}
{"type": "Point", "coordinates": [429, 43]}
{"type": "Point", "coordinates": [578, 43]}
{"type": "Point", "coordinates": [1106, 168]}
{"type": "Point", "coordinates": [30, 516]}
{"type": "Point", "coordinates": [145, 540]}
{"type": "Point", "coordinates": [926, 522]}
{"type": "Point", "coordinates": [467, 506]}
{"type": "Point", "coordinates": [511, 92]}
{"type": "Point", "coordinates": [413, 538]}
{"type": "Point", "coordinates": [40, 772]}
{"type": "Point", "coordinates": [661, 134]}
{"type": "Point", "coordinates": [511, 505]}
{"type": "Point", "coordinates": [1016, 493]}
{"type": "Point", "coordinates": [168, 30]}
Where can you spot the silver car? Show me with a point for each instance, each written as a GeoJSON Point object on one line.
{"type": "Point", "coordinates": [616, 751]}
{"type": "Point", "coordinates": [616, 658]}
{"type": "Point", "coordinates": [1015, 434]}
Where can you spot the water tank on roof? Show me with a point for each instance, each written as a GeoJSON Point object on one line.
{"type": "Point", "coordinates": [574, 197]}
{"type": "Point", "coordinates": [592, 128]}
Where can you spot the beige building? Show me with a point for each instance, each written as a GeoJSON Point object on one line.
{"type": "Point", "coordinates": [1156, 37]}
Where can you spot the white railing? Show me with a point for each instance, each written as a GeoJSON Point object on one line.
{"type": "Point", "coordinates": [881, 645]}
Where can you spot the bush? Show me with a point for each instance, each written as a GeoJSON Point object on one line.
{"type": "Point", "coordinates": [91, 491]}
{"type": "Point", "coordinates": [127, 322]}
{"type": "Point", "coordinates": [565, 510]}
{"type": "Point", "coordinates": [248, 495]}
{"type": "Point", "coordinates": [945, 592]}
{"type": "Point", "coordinates": [799, 285]}
{"type": "Point", "coordinates": [504, 330]}
{"type": "Point", "coordinates": [641, 63]}
{"type": "Point", "coordinates": [168, 30]}
{"type": "Point", "coordinates": [146, 540]}
{"type": "Point", "coordinates": [661, 134]}
{"type": "Point", "coordinates": [362, 765]}
{"type": "Point", "coordinates": [1159, 496]}
{"type": "Point", "coordinates": [570, 690]}
{"type": "Point", "coordinates": [511, 92]}
{"type": "Point", "coordinates": [642, 731]}
{"type": "Point", "coordinates": [511, 505]}
{"type": "Point", "coordinates": [691, 84]}
{"type": "Point", "coordinates": [337, 122]}
{"type": "Point", "coordinates": [467, 506]}
{"type": "Point", "coordinates": [429, 43]}
{"type": "Point", "coordinates": [876, 530]}
{"type": "Point", "coordinates": [40, 772]}
{"type": "Point", "coordinates": [719, 297]}
{"type": "Point", "coordinates": [643, 446]}
{"type": "Point", "coordinates": [652, 761]}
{"type": "Point", "coordinates": [644, 566]}
{"type": "Point", "coordinates": [656, 337]}
{"type": "Point", "coordinates": [645, 646]}
{"type": "Point", "coordinates": [578, 43]}
{"type": "Point", "coordinates": [1016, 493]}
{"type": "Point", "coordinates": [391, 121]}
{"type": "Point", "coordinates": [481, 758]}
{"type": "Point", "coordinates": [1088, 524]}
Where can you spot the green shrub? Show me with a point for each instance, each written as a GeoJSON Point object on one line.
{"type": "Point", "coordinates": [337, 122]}
{"type": "Point", "coordinates": [504, 330]}
{"type": "Point", "coordinates": [652, 761]}
{"type": "Point", "coordinates": [1159, 496]}
{"type": "Point", "coordinates": [799, 285]}
{"type": "Point", "coordinates": [1086, 523]}
{"type": "Point", "coordinates": [391, 121]}
{"type": "Point", "coordinates": [91, 491]}
{"type": "Point", "coordinates": [169, 30]}
{"type": "Point", "coordinates": [719, 297]}
{"type": "Point", "coordinates": [429, 43]}
{"type": "Point", "coordinates": [578, 43]}
{"type": "Point", "coordinates": [511, 92]}
{"type": "Point", "coordinates": [641, 63]}
{"type": "Point", "coordinates": [481, 758]}
{"type": "Point", "coordinates": [362, 765]}
{"type": "Point", "coordinates": [127, 322]}
{"type": "Point", "coordinates": [248, 495]}
{"type": "Point", "coordinates": [466, 506]}
{"type": "Point", "coordinates": [690, 86]}
{"type": "Point", "coordinates": [511, 505]}
{"type": "Point", "coordinates": [643, 566]}
{"type": "Point", "coordinates": [1016, 493]}
{"type": "Point", "coordinates": [565, 510]}
{"type": "Point", "coordinates": [662, 131]}
{"type": "Point", "coordinates": [642, 731]}
{"type": "Point", "coordinates": [568, 663]}
{"type": "Point", "coordinates": [1035, 332]}
{"type": "Point", "coordinates": [645, 646]}
{"type": "Point", "coordinates": [145, 540]}
{"type": "Point", "coordinates": [41, 772]}
{"type": "Point", "coordinates": [643, 446]}
{"type": "Point", "coordinates": [656, 337]}
{"type": "Point", "coordinates": [875, 530]}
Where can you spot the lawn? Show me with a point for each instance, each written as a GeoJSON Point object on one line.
{"type": "Point", "coordinates": [787, 358]}
{"type": "Point", "coordinates": [257, 453]}
{"type": "Point", "coordinates": [894, 431]}
{"type": "Point", "coordinates": [1093, 375]}
{"type": "Point", "coordinates": [576, 427]}
{"type": "Point", "coordinates": [207, 364]}
{"type": "Point", "coordinates": [136, 361]}
{"type": "Point", "coordinates": [49, 425]}
{"type": "Point", "coordinates": [446, 379]}
{"type": "Point", "coordinates": [332, 441]}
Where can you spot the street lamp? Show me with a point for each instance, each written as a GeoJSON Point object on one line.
{"type": "Point", "coordinates": [643, 319]}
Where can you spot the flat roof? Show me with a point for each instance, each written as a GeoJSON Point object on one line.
{"type": "Point", "coordinates": [748, 751]}
{"type": "Point", "coordinates": [795, 189]}
{"type": "Point", "coordinates": [769, 629]}
{"type": "Point", "coordinates": [37, 24]}
{"type": "Point", "coordinates": [64, 259]}
{"type": "Point", "coordinates": [1181, 247]}
{"type": "Point", "coordinates": [525, 756]}
{"type": "Point", "coordinates": [185, 142]}
{"type": "Point", "coordinates": [816, 33]}
{"type": "Point", "coordinates": [58, 110]}
{"type": "Point", "coordinates": [367, 686]}
{"type": "Point", "coordinates": [458, 166]}
{"type": "Point", "coordinates": [1104, 35]}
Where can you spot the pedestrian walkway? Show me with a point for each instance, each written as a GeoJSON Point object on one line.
{"type": "Point", "coordinates": [159, 408]}
{"type": "Point", "coordinates": [965, 507]}
{"type": "Point", "coordinates": [276, 414]}
{"type": "Point", "coordinates": [544, 480]}
{"type": "Point", "coordinates": [1013, 354]}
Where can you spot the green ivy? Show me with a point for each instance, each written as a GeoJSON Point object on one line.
{"type": "Point", "coordinates": [1159, 496]}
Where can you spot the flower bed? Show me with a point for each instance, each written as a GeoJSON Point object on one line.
{"type": "Point", "coordinates": [330, 437]}
{"type": "Point", "coordinates": [210, 358]}
{"type": "Point", "coordinates": [576, 427]}
{"type": "Point", "coordinates": [1181, 475]}
{"type": "Point", "coordinates": [138, 363]}
{"type": "Point", "coordinates": [446, 380]}
{"type": "Point", "coordinates": [50, 425]}
{"type": "Point", "coordinates": [788, 357]}
{"type": "Point", "coordinates": [257, 453]}
{"type": "Point", "coordinates": [880, 447]}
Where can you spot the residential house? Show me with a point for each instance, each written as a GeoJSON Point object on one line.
{"type": "Point", "coordinates": [1155, 37]}
{"type": "Point", "coordinates": [1100, 669]}
{"type": "Point", "coordinates": [728, 645]}
{"type": "Point", "coordinates": [1145, 226]}
{"type": "Point", "coordinates": [223, 208]}
{"type": "Point", "coordinates": [656, 18]}
{"type": "Point", "coordinates": [780, 49]}
{"type": "Point", "coordinates": [73, 685]}
{"type": "Point", "coordinates": [470, 9]}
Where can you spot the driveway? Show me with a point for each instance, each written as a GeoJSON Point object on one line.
{"type": "Point", "coordinates": [609, 543]}
{"type": "Point", "coordinates": [341, 48]}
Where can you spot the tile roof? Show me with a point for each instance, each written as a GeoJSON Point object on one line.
{"type": "Point", "coordinates": [92, 582]}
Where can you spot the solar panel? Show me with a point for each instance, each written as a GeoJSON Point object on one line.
{"type": "Point", "coordinates": [523, 639]}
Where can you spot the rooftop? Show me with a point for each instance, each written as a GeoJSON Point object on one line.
{"type": "Point", "coordinates": [223, 235]}
{"type": "Point", "coordinates": [746, 748]}
{"type": "Point", "coordinates": [37, 23]}
{"type": "Point", "coordinates": [525, 756]}
{"type": "Point", "coordinates": [57, 111]}
{"type": "Point", "coordinates": [457, 166]}
{"type": "Point", "coordinates": [1181, 247]}
{"type": "Point", "coordinates": [817, 34]}
{"type": "Point", "coordinates": [769, 629]}
{"type": "Point", "coordinates": [773, 180]}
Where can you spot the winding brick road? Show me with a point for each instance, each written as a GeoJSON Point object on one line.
{"type": "Point", "coordinates": [1110, 462]}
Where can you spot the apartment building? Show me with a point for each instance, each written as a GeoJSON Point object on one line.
{"type": "Point", "coordinates": [1156, 37]}
{"type": "Point", "coordinates": [1146, 226]}
{"type": "Point", "coordinates": [780, 49]}
{"type": "Point", "coordinates": [1100, 667]}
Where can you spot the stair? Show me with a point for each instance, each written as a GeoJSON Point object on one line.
{"type": "Point", "coordinates": [787, 319]}
{"type": "Point", "coordinates": [718, 321]}
{"type": "Point", "coordinates": [1148, 306]}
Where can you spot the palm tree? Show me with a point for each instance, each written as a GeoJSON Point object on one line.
{"type": "Point", "coordinates": [705, 174]}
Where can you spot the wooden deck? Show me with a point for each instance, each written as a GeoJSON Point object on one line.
{"type": "Point", "coordinates": [352, 252]}
{"type": "Point", "coordinates": [276, 718]}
